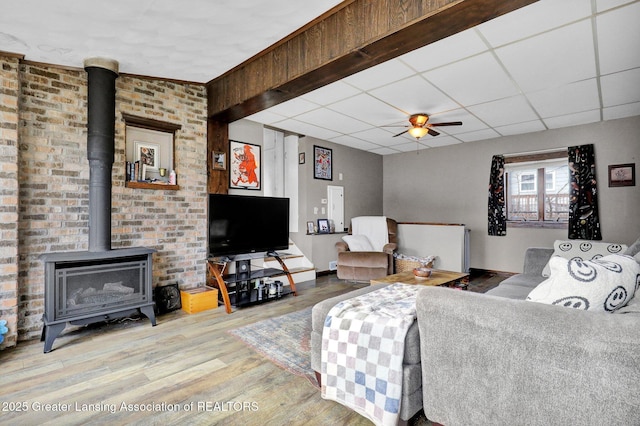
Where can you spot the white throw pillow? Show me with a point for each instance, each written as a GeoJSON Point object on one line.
{"type": "Point", "coordinates": [358, 242]}
{"type": "Point", "coordinates": [604, 284]}
{"type": "Point", "coordinates": [583, 250]}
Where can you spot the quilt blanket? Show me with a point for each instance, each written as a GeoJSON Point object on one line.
{"type": "Point", "coordinates": [363, 349]}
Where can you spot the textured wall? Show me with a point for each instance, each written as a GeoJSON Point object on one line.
{"type": "Point", "coordinates": [54, 175]}
{"type": "Point", "coordinates": [9, 91]}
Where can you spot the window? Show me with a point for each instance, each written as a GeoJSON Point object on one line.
{"type": "Point", "coordinates": [537, 188]}
{"type": "Point", "coordinates": [527, 182]}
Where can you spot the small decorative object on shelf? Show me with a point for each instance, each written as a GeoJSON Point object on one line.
{"type": "Point", "coordinates": [323, 226]}
{"type": "Point", "coordinates": [172, 177]}
{"type": "Point", "coordinates": [422, 272]}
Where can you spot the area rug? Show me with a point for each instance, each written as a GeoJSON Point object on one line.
{"type": "Point", "coordinates": [284, 340]}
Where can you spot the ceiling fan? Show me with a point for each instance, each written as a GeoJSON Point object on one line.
{"type": "Point", "coordinates": [420, 126]}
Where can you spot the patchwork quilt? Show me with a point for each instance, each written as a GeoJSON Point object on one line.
{"type": "Point", "coordinates": [363, 349]}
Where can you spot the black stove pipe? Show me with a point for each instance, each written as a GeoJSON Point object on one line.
{"type": "Point", "coordinates": [101, 102]}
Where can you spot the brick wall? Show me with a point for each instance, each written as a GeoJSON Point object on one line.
{"type": "Point", "coordinates": [54, 177]}
{"type": "Point", "coordinates": [9, 90]}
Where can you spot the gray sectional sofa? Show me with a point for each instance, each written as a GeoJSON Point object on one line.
{"type": "Point", "coordinates": [495, 358]}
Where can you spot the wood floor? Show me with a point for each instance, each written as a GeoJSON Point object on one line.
{"type": "Point", "coordinates": [186, 370]}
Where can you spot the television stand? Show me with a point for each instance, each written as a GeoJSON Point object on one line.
{"type": "Point", "coordinates": [240, 284]}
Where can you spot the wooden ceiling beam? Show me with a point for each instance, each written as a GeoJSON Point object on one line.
{"type": "Point", "coordinates": [353, 36]}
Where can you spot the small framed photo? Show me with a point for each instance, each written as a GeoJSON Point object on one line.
{"type": "Point", "coordinates": [148, 154]}
{"type": "Point", "coordinates": [322, 163]}
{"type": "Point", "coordinates": [219, 160]}
{"type": "Point", "coordinates": [622, 175]}
{"type": "Point", "coordinates": [301, 158]}
{"type": "Point", "coordinates": [323, 226]}
{"type": "Point", "coordinates": [310, 226]}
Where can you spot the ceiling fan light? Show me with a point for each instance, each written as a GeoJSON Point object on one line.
{"type": "Point", "coordinates": [418, 132]}
{"type": "Point", "coordinates": [420, 120]}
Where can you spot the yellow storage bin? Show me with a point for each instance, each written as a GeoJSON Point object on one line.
{"type": "Point", "coordinates": [199, 299]}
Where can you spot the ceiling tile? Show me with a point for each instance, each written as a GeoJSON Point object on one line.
{"type": "Point", "coordinates": [621, 111]}
{"type": "Point", "coordinates": [573, 119]}
{"type": "Point", "coordinates": [378, 136]}
{"type": "Point", "coordinates": [474, 80]}
{"type": "Point", "coordinates": [379, 75]}
{"type": "Point", "coordinates": [409, 147]}
{"type": "Point", "coordinates": [329, 119]}
{"type": "Point", "coordinates": [415, 95]}
{"type": "Point", "coordinates": [619, 39]}
{"type": "Point", "coordinates": [504, 111]}
{"type": "Point", "coordinates": [608, 4]}
{"type": "Point", "coordinates": [296, 126]}
{"type": "Point", "coordinates": [266, 117]}
{"type": "Point", "coordinates": [470, 122]}
{"type": "Point", "coordinates": [445, 51]}
{"type": "Point", "coordinates": [368, 109]}
{"type": "Point", "coordinates": [533, 19]}
{"type": "Point", "coordinates": [551, 59]}
{"type": "Point", "coordinates": [354, 142]}
{"type": "Point", "coordinates": [520, 128]}
{"type": "Point", "coordinates": [331, 93]}
{"type": "Point", "coordinates": [621, 88]}
{"type": "Point", "coordinates": [383, 151]}
{"type": "Point", "coordinates": [439, 141]}
{"type": "Point", "coordinates": [574, 97]}
{"type": "Point", "coordinates": [478, 135]}
{"type": "Point", "coordinates": [294, 107]}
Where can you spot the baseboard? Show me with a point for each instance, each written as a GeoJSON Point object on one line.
{"type": "Point", "coordinates": [323, 273]}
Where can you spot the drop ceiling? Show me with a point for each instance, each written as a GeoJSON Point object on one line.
{"type": "Point", "coordinates": [551, 64]}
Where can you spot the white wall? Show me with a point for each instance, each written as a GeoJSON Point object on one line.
{"type": "Point", "coordinates": [449, 184]}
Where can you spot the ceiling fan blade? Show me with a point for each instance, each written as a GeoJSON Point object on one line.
{"type": "Point", "coordinates": [405, 131]}
{"type": "Point", "coordinates": [450, 123]}
{"type": "Point", "coordinates": [433, 132]}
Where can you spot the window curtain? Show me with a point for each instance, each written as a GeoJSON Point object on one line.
{"type": "Point", "coordinates": [497, 213]}
{"type": "Point", "coordinates": [584, 221]}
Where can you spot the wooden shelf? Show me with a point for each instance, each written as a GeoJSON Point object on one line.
{"type": "Point", "coordinates": [233, 284]}
{"type": "Point", "coordinates": [148, 185]}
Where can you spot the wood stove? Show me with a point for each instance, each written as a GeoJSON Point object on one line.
{"type": "Point", "coordinates": [100, 284]}
{"type": "Point", "coordinates": [85, 287]}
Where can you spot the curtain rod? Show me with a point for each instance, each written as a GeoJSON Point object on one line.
{"type": "Point", "coordinates": [544, 151]}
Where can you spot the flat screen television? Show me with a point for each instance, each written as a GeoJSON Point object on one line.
{"type": "Point", "coordinates": [244, 225]}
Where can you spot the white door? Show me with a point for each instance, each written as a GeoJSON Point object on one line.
{"type": "Point", "coordinates": [335, 205]}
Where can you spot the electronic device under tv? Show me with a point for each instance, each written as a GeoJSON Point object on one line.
{"type": "Point", "coordinates": [242, 225]}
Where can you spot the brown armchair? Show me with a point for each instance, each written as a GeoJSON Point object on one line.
{"type": "Point", "coordinates": [367, 265]}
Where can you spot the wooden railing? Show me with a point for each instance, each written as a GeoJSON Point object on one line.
{"type": "Point", "coordinates": [525, 207]}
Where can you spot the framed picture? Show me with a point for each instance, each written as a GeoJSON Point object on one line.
{"type": "Point", "coordinates": [323, 226]}
{"type": "Point", "coordinates": [148, 154]}
{"type": "Point", "coordinates": [301, 158]}
{"type": "Point", "coordinates": [219, 160]}
{"type": "Point", "coordinates": [245, 165]}
{"type": "Point", "coordinates": [622, 175]}
{"type": "Point", "coordinates": [310, 226]}
{"type": "Point", "coordinates": [322, 163]}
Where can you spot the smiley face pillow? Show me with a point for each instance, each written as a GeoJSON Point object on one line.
{"type": "Point", "coordinates": [583, 250]}
{"type": "Point", "coordinates": [604, 284]}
